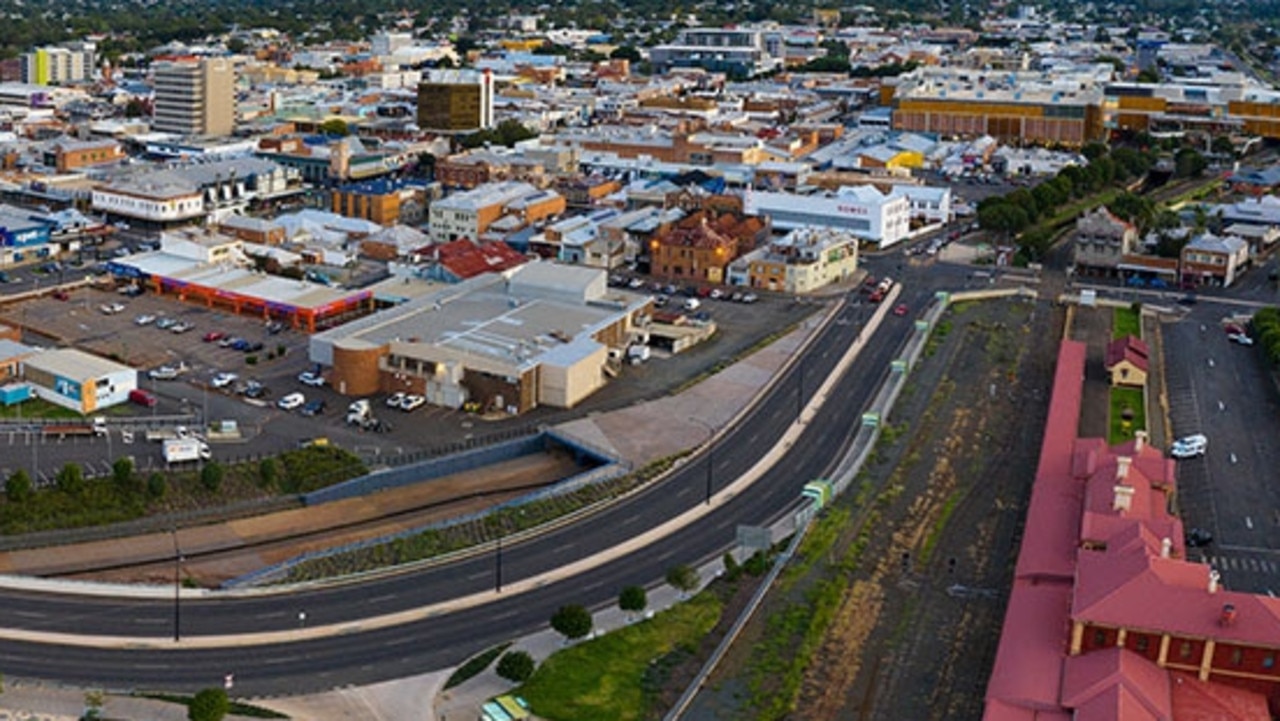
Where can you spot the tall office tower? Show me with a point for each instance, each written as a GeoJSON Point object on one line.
{"type": "Point", "coordinates": [195, 97]}
{"type": "Point", "coordinates": [456, 101]}
{"type": "Point", "coordinates": [73, 62]}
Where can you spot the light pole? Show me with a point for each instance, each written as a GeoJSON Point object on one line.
{"type": "Point", "coordinates": [177, 587]}
{"type": "Point", "coordinates": [711, 454]}
{"type": "Point", "coordinates": [497, 568]}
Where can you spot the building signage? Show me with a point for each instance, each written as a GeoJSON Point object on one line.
{"type": "Point", "coordinates": [66, 387]}
{"type": "Point", "coordinates": [852, 209]}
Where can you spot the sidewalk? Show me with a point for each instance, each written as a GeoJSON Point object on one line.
{"type": "Point", "coordinates": [25, 701]}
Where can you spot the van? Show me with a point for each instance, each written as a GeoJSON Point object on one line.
{"type": "Point", "coordinates": [142, 397]}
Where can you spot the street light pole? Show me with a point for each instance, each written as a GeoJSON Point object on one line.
{"type": "Point", "coordinates": [711, 455]}
{"type": "Point", "coordinates": [177, 587]}
{"type": "Point", "coordinates": [497, 569]}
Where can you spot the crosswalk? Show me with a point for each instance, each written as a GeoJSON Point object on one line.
{"type": "Point", "coordinates": [1246, 564]}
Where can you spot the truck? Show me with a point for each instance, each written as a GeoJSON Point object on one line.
{"type": "Point", "coordinates": [98, 427]}
{"type": "Point", "coordinates": [185, 449]}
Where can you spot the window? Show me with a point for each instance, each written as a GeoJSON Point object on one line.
{"type": "Point", "coordinates": [1269, 661]}
{"type": "Point", "coordinates": [1142, 644]}
{"type": "Point", "coordinates": [1099, 637]}
{"type": "Point", "coordinates": [1184, 650]}
{"type": "Point", "coordinates": [1237, 656]}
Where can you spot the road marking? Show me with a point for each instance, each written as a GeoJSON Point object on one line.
{"type": "Point", "coordinates": [1248, 522]}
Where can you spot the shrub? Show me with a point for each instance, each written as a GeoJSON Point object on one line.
{"type": "Point", "coordinates": [572, 621]}
{"type": "Point", "coordinates": [71, 479]}
{"type": "Point", "coordinates": [251, 360]}
{"type": "Point", "coordinates": [268, 472]}
{"type": "Point", "coordinates": [683, 578]}
{"type": "Point", "coordinates": [156, 485]}
{"type": "Point", "coordinates": [211, 477]}
{"type": "Point", "coordinates": [122, 474]}
{"type": "Point", "coordinates": [210, 704]}
{"type": "Point", "coordinates": [17, 487]}
{"type": "Point", "coordinates": [516, 666]}
{"type": "Point", "coordinates": [633, 599]}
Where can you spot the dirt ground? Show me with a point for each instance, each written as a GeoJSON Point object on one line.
{"type": "Point", "coordinates": [915, 630]}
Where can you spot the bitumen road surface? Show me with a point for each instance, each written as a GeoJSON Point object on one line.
{"type": "Point", "coordinates": [364, 657]}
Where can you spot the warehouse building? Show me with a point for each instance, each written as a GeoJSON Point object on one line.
{"type": "Point", "coordinates": [862, 210]}
{"type": "Point", "coordinates": [77, 380]}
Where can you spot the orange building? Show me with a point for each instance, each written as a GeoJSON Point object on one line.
{"type": "Point", "coordinates": [473, 169]}
{"type": "Point", "coordinates": [701, 247]}
{"type": "Point", "coordinates": [71, 155]}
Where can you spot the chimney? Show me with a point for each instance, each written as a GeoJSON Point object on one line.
{"type": "Point", "coordinates": [1228, 617]}
{"type": "Point", "coordinates": [1213, 581]}
{"type": "Point", "coordinates": [1165, 546]}
{"type": "Point", "coordinates": [1139, 441]}
{"type": "Point", "coordinates": [1123, 498]}
{"type": "Point", "coordinates": [1122, 467]}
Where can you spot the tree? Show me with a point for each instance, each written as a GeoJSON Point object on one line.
{"type": "Point", "coordinates": [516, 666]}
{"type": "Point", "coordinates": [633, 599]}
{"type": "Point", "coordinates": [1150, 75]}
{"type": "Point", "coordinates": [268, 472]}
{"type": "Point", "coordinates": [572, 621]}
{"type": "Point", "coordinates": [335, 126]}
{"type": "Point", "coordinates": [1137, 209]}
{"type": "Point", "coordinates": [1093, 151]}
{"type": "Point", "coordinates": [1189, 163]}
{"type": "Point", "coordinates": [122, 474]}
{"type": "Point", "coordinates": [1004, 218]}
{"type": "Point", "coordinates": [1222, 145]}
{"type": "Point", "coordinates": [210, 704]}
{"type": "Point", "coordinates": [155, 485]}
{"type": "Point", "coordinates": [17, 487]}
{"type": "Point", "coordinates": [71, 479]}
{"type": "Point", "coordinates": [211, 477]}
{"type": "Point", "coordinates": [683, 578]}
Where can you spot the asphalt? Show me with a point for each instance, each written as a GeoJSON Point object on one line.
{"type": "Point", "coordinates": [375, 655]}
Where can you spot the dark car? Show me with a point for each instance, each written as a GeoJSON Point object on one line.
{"type": "Point", "coordinates": [1198, 538]}
{"type": "Point", "coordinates": [274, 327]}
{"type": "Point", "coordinates": [61, 295]}
{"type": "Point", "coordinates": [240, 344]}
{"type": "Point", "coordinates": [253, 347]}
{"type": "Point", "coordinates": [313, 408]}
{"type": "Point", "coordinates": [1188, 299]}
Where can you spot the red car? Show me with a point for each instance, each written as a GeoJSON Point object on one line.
{"type": "Point", "coordinates": [61, 295]}
{"type": "Point", "coordinates": [213, 335]}
{"type": "Point", "coordinates": [901, 309]}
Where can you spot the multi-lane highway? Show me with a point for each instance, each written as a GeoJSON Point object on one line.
{"type": "Point", "coordinates": [361, 657]}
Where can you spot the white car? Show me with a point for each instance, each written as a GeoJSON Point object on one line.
{"type": "Point", "coordinates": [395, 399]}
{"type": "Point", "coordinates": [307, 378]}
{"type": "Point", "coordinates": [1190, 446]}
{"type": "Point", "coordinates": [111, 308]}
{"type": "Point", "coordinates": [222, 380]}
{"type": "Point", "coordinates": [1240, 338]}
{"type": "Point", "coordinates": [412, 402]}
{"type": "Point", "coordinates": [291, 401]}
{"type": "Point", "coordinates": [164, 373]}
{"type": "Point", "coordinates": [144, 319]}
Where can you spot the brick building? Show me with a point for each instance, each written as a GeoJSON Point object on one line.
{"type": "Point", "coordinates": [701, 246]}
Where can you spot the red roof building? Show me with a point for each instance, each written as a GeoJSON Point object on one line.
{"type": "Point", "coordinates": [1107, 619]}
{"type": "Point", "coordinates": [458, 260]}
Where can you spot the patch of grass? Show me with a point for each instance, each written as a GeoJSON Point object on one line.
{"type": "Point", "coordinates": [475, 665]}
{"type": "Point", "coordinates": [931, 541]}
{"type": "Point", "coordinates": [1126, 322]}
{"type": "Point", "coordinates": [39, 408]}
{"type": "Point", "coordinates": [1120, 430]}
{"type": "Point", "coordinates": [604, 678]}
{"type": "Point", "coordinates": [236, 708]}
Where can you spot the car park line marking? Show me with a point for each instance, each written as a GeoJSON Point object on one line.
{"type": "Point", "coordinates": [1248, 522]}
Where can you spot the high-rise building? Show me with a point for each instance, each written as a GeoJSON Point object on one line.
{"type": "Point", "coordinates": [456, 101]}
{"type": "Point", "coordinates": [60, 65]}
{"type": "Point", "coordinates": [195, 97]}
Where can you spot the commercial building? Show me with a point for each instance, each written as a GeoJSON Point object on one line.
{"type": "Point", "coordinates": [77, 380]}
{"type": "Point", "coordinates": [803, 261]}
{"type": "Point", "coordinates": [71, 155]}
{"type": "Point", "coordinates": [456, 101]}
{"type": "Point", "coordinates": [210, 269]}
{"type": "Point", "coordinates": [1101, 242]}
{"type": "Point", "coordinates": [700, 247]}
{"type": "Point", "coordinates": [75, 62]}
{"type": "Point", "coordinates": [743, 52]}
{"type": "Point", "coordinates": [24, 236]}
{"type": "Point", "coordinates": [195, 97]}
{"type": "Point", "coordinates": [1107, 618]}
{"type": "Point", "coordinates": [477, 167]}
{"type": "Point", "coordinates": [862, 210]}
{"type": "Point", "coordinates": [539, 335]}
{"type": "Point", "coordinates": [469, 214]}
{"type": "Point", "coordinates": [1040, 107]}
{"type": "Point", "coordinates": [1214, 260]}
{"type": "Point", "coordinates": [181, 194]}
{"type": "Point", "coordinates": [382, 201]}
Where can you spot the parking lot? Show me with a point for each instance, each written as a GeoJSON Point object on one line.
{"type": "Point", "coordinates": [1225, 391]}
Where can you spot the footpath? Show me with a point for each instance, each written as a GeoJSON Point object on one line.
{"type": "Point", "coordinates": [640, 434]}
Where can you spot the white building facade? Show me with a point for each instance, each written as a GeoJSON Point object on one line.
{"type": "Point", "coordinates": [863, 211]}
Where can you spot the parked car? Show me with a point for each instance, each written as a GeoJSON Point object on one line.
{"type": "Point", "coordinates": [412, 402]}
{"type": "Point", "coordinates": [255, 389]}
{"type": "Point", "coordinates": [164, 373]}
{"type": "Point", "coordinates": [716, 294]}
{"type": "Point", "coordinates": [131, 291]}
{"type": "Point", "coordinates": [313, 408]}
{"type": "Point", "coordinates": [1233, 329]}
{"type": "Point", "coordinates": [1240, 338]}
{"type": "Point", "coordinates": [228, 341]}
{"type": "Point", "coordinates": [309, 378]}
{"type": "Point", "coordinates": [901, 309]}
{"type": "Point", "coordinates": [111, 308]}
{"type": "Point", "coordinates": [213, 335]}
{"type": "Point", "coordinates": [750, 298]}
{"type": "Point", "coordinates": [691, 304]}
{"type": "Point", "coordinates": [224, 379]}
{"type": "Point", "coordinates": [274, 327]}
{"type": "Point", "coordinates": [142, 397]}
{"type": "Point", "coordinates": [395, 399]}
{"type": "Point", "coordinates": [291, 401]}
{"type": "Point", "coordinates": [180, 327]}
{"type": "Point", "coordinates": [1189, 446]}
{"type": "Point", "coordinates": [144, 319]}
{"type": "Point", "coordinates": [166, 323]}
{"type": "Point", "coordinates": [61, 295]}
{"type": "Point", "coordinates": [241, 344]}
{"type": "Point", "coordinates": [1198, 538]}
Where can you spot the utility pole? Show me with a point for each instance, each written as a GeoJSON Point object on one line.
{"type": "Point", "coordinates": [177, 587]}
{"type": "Point", "coordinates": [497, 569]}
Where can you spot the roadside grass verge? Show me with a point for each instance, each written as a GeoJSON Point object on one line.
{"type": "Point", "coordinates": [475, 665]}
{"type": "Point", "coordinates": [1126, 322]}
{"type": "Point", "coordinates": [1120, 429]}
{"type": "Point", "coordinates": [605, 678]}
{"type": "Point", "coordinates": [235, 709]}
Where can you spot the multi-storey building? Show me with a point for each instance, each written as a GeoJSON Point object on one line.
{"type": "Point", "coordinates": [195, 97]}
{"type": "Point", "coordinates": [60, 65]}
{"type": "Point", "coordinates": [739, 51]}
{"type": "Point", "coordinates": [872, 216]}
{"type": "Point", "coordinates": [70, 155]}
{"type": "Point", "coordinates": [1102, 241]}
{"type": "Point", "coordinates": [804, 260]}
{"type": "Point", "coordinates": [456, 101]}
{"type": "Point", "coordinates": [700, 247]}
{"type": "Point", "coordinates": [469, 214]}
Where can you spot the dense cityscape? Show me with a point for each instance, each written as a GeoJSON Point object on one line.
{"type": "Point", "coordinates": [636, 361]}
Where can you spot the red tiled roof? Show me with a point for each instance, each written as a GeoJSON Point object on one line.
{"type": "Point", "coordinates": [1028, 668]}
{"type": "Point", "coordinates": [1194, 700]}
{"type": "Point", "coordinates": [465, 259]}
{"type": "Point", "coordinates": [1128, 348]}
{"type": "Point", "coordinates": [1054, 510]}
{"type": "Point", "coordinates": [1115, 684]}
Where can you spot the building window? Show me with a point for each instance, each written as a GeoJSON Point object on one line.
{"type": "Point", "coordinates": [1269, 661]}
{"type": "Point", "coordinates": [1142, 644]}
{"type": "Point", "coordinates": [1099, 637]}
{"type": "Point", "coordinates": [1237, 656]}
{"type": "Point", "coordinates": [1184, 650]}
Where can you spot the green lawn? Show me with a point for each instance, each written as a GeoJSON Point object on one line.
{"type": "Point", "coordinates": [603, 679]}
{"type": "Point", "coordinates": [1126, 321]}
{"type": "Point", "coordinates": [1119, 430]}
{"type": "Point", "coordinates": [37, 408]}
